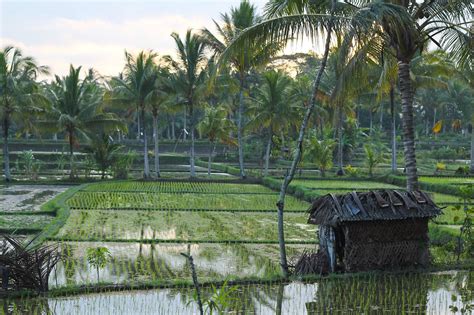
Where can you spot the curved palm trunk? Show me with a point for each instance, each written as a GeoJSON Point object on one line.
{"type": "Point", "coordinates": [156, 142]}
{"type": "Point", "coordinates": [239, 130]}
{"type": "Point", "coordinates": [6, 153]}
{"type": "Point", "coordinates": [406, 91]}
{"type": "Point", "coordinates": [191, 156]}
{"type": "Point", "coordinates": [296, 159]}
{"type": "Point", "coordinates": [267, 154]}
{"type": "Point", "coordinates": [146, 171]}
{"type": "Point", "coordinates": [394, 130]}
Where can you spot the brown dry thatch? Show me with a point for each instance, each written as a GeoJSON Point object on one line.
{"type": "Point", "coordinates": [370, 206]}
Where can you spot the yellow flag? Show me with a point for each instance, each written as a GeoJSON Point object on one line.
{"type": "Point", "coordinates": [437, 127]}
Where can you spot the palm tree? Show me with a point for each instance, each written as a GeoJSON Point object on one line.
{"type": "Point", "coordinates": [77, 109]}
{"type": "Point", "coordinates": [292, 20]}
{"type": "Point", "coordinates": [274, 108]}
{"type": "Point", "coordinates": [320, 152]}
{"type": "Point", "coordinates": [137, 85]}
{"type": "Point", "coordinates": [19, 93]}
{"type": "Point", "coordinates": [216, 127]}
{"type": "Point", "coordinates": [190, 75]}
{"type": "Point", "coordinates": [158, 99]}
{"type": "Point", "coordinates": [426, 71]}
{"type": "Point", "coordinates": [401, 28]}
{"type": "Point", "coordinates": [104, 151]}
{"type": "Point", "coordinates": [242, 60]}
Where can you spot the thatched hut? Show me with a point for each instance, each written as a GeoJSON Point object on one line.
{"type": "Point", "coordinates": [382, 229]}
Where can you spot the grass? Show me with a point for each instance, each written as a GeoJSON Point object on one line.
{"type": "Point", "coordinates": [448, 180]}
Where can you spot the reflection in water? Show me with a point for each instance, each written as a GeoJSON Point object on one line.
{"type": "Point", "coordinates": [134, 262]}
{"type": "Point", "coordinates": [438, 293]}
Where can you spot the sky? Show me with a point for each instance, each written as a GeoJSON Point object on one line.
{"type": "Point", "coordinates": [96, 33]}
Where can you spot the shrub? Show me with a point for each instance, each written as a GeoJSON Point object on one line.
{"type": "Point", "coordinates": [123, 165]}
{"type": "Point", "coordinates": [351, 171]}
{"type": "Point", "coordinates": [320, 152]}
{"type": "Point", "coordinates": [462, 170]}
{"type": "Point", "coordinates": [373, 157]}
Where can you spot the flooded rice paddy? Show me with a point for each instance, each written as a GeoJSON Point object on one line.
{"type": "Point", "coordinates": [436, 293]}
{"type": "Point", "coordinates": [27, 197]}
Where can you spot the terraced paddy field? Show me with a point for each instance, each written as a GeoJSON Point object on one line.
{"type": "Point", "coordinates": [20, 207]}
{"type": "Point", "coordinates": [429, 293]}
{"type": "Point", "coordinates": [229, 228]}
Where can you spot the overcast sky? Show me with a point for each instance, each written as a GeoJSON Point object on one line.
{"type": "Point", "coordinates": [96, 33]}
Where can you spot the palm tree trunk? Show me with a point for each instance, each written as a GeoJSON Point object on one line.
{"type": "Point", "coordinates": [239, 129]}
{"type": "Point", "coordinates": [173, 132]}
{"type": "Point", "coordinates": [156, 142]}
{"type": "Point", "coordinates": [299, 147]}
{"type": "Point", "coordinates": [371, 123]}
{"type": "Point", "coordinates": [146, 172]}
{"type": "Point", "coordinates": [472, 149]}
{"type": "Point", "coordinates": [340, 146]}
{"type": "Point", "coordinates": [139, 129]}
{"type": "Point", "coordinates": [381, 116]}
{"type": "Point", "coordinates": [267, 154]}
{"type": "Point", "coordinates": [71, 155]}
{"type": "Point", "coordinates": [406, 91]}
{"type": "Point", "coordinates": [394, 130]}
{"type": "Point", "coordinates": [212, 148]}
{"type": "Point", "coordinates": [6, 153]}
{"type": "Point", "coordinates": [192, 157]}
{"type": "Point", "coordinates": [184, 124]}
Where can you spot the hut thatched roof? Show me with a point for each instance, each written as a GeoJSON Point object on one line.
{"type": "Point", "coordinates": [373, 205]}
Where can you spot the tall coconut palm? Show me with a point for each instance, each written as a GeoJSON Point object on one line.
{"type": "Point", "coordinates": [403, 28]}
{"type": "Point", "coordinates": [426, 71]}
{"type": "Point", "coordinates": [77, 109]}
{"type": "Point", "coordinates": [215, 126]}
{"type": "Point", "coordinates": [274, 108]}
{"type": "Point", "coordinates": [190, 75]}
{"type": "Point", "coordinates": [137, 85]}
{"type": "Point", "coordinates": [290, 20]}
{"type": "Point", "coordinates": [243, 60]}
{"type": "Point", "coordinates": [19, 93]}
{"type": "Point", "coordinates": [157, 101]}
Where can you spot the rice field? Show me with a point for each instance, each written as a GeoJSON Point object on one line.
{"type": "Point", "coordinates": [20, 207]}
{"type": "Point", "coordinates": [139, 263]}
{"type": "Point", "coordinates": [181, 225]}
{"type": "Point", "coordinates": [432, 294]}
{"type": "Point", "coordinates": [180, 201]}
{"type": "Point", "coordinates": [231, 229]}
{"type": "Point", "coordinates": [178, 187]}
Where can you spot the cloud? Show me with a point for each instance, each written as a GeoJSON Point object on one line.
{"type": "Point", "coordinates": [100, 43]}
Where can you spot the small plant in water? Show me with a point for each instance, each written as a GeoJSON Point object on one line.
{"type": "Point", "coordinates": [98, 257]}
{"type": "Point", "coordinates": [220, 299]}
